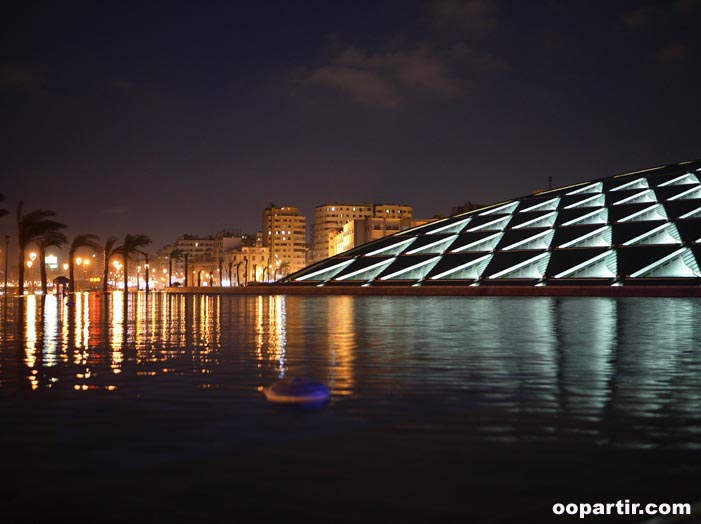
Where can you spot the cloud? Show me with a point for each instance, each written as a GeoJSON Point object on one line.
{"type": "Point", "coordinates": [671, 54]}
{"type": "Point", "coordinates": [640, 19]}
{"type": "Point", "coordinates": [116, 210]}
{"type": "Point", "coordinates": [470, 16]}
{"type": "Point", "coordinates": [392, 78]}
{"type": "Point", "coordinates": [20, 78]}
{"type": "Point", "coordinates": [646, 17]}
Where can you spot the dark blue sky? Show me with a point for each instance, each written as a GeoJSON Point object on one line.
{"type": "Point", "coordinates": [172, 117]}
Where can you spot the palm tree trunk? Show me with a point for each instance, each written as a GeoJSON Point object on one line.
{"type": "Point", "coordinates": [105, 275]}
{"type": "Point", "coordinates": [126, 273]}
{"type": "Point", "coordinates": [42, 268]}
{"type": "Point", "coordinates": [71, 273]}
{"type": "Point", "coordinates": [20, 277]}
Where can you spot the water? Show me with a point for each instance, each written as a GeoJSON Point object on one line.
{"type": "Point", "coordinates": [443, 408]}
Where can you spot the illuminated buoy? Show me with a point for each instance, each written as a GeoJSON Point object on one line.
{"type": "Point", "coordinates": [297, 391]}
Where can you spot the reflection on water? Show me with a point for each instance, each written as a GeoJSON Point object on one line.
{"type": "Point", "coordinates": [622, 372]}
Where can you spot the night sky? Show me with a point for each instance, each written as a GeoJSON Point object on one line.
{"type": "Point", "coordinates": [167, 118]}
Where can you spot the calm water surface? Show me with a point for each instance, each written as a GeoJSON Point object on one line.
{"type": "Point", "coordinates": [95, 390]}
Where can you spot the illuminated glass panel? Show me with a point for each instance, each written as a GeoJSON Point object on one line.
{"type": "Point", "coordinates": [680, 263]}
{"type": "Point", "coordinates": [686, 178]}
{"type": "Point", "coordinates": [654, 212]}
{"type": "Point", "coordinates": [547, 220]}
{"type": "Point", "coordinates": [598, 216]}
{"type": "Point", "coordinates": [641, 197]}
{"type": "Point", "coordinates": [598, 238]}
{"type": "Point", "coordinates": [509, 207]}
{"type": "Point", "coordinates": [325, 273]}
{"type": "Point", "coordinates": [415, 272]}
{"type": "Point", "coordinates": [592, 201]}
{"type": "Point", "coordinates": [367, 273]}
{"type": "Point", "coordinates": [600, 266]}
{"type": "Point", "coordinates": [531, 268]}
{"type": "Point", "coordinates": [696, 213]}
{"type": "Point", "coordinates": [453, 227]}
{"type": "Point", "coordinates": [663, 234]}
{"type": "Point", "coordinates": [496, 224]}
{"type": "Point", "coordinates": [468, 271]}
{"type": "Point", "coordinates": [596, 187]}
{"type": "Point", "coordinates": [640, 183]}
{"type": "Point", "coordinates": [694, 192]}
{"type": "Point", "coordinates": [538, 241]}
{"type": "Point", "coordinates": [434, 247]}
{"type": "Point", "coordinates": [548, 205]}
{"type": "Point", "coordinates": [484, 244]}
{"type": "Point", "coordinates": [392, 249]}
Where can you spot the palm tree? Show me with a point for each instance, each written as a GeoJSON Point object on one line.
{"type": "Point", "coordinates": [176, 254]}
{"type": "Point", "coordinates": [108, 250]}
{"type": "Point", "coordinates": [3, 211]}
{"type": "Point", "coordinates": [52, 238]}
{"type": "Point", "coordinates": [129, 247]}
{"type": "Point", "coordinates": [31, 227]}
{"type": "Point", "coordinates": [84, 240]}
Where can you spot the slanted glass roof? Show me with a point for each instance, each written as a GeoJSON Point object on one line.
{"type": "Point", "coordinates": [641, 228]}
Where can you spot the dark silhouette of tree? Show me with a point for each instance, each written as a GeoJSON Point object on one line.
{"type": "Point", "coordinates": [83, 240]}
{"type": "Point", "coordinates": [131, 246]}
{"type": "Point", "coordinates": [3, 211]}
{"type": "Point", "coordinates": [108, 250]}
{"type": "Point", "coordinates": [52, 238]}
{"type": "Point", "coordinates": [176, 254]}
{"type": "Point", "coordinates": [30, 228]}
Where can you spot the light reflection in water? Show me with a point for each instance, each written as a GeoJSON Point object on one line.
{"type": "Point", "coordinates": [116, 328]}
{"type": "Point", "coordinates": [625, 372]}
{"type": "Point", "coordinates": [341, 344]}
{"type": "Point", "coordinates": [271, 333]}
{"type": "Point", "coordinates": [50, 330]}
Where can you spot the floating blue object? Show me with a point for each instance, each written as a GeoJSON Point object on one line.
{"type": "Point", "coordinates": [297, 391]}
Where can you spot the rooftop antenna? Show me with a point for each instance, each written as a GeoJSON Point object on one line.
{"type": "Point", "coordinates": [550, 183]}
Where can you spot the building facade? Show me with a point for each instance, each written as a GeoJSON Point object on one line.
{"type": "Point", "coordinates": [359, 231]}
{"type": "Point", "coordinates": [637, 229]}
{"type": "Point", "coordinates": [329, 219]}
{"type": "Point", "coordinates": [284, 235]}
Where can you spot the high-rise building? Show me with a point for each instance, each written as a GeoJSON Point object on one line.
{"type": "Point", "coordinates": [284, 234]}
{"type": "Point", "coordinates": [330, 218]}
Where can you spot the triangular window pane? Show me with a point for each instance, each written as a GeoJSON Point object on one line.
{"type": "Point", "coordinates": [687, 178]}
{"type": "Point", "coordinates": [663, 234]}
{"type": "Point", "coordinates": [680, 263]}
{"type": "Point", "coordinates": [640, 183]}
{"type": "Point", "coordinates": [468, 271]}
{"type": "Point", "coordinates": [324, 273]}
{"type": "Point", "coordinates": [654, 212]}
{"type": "Point", "coordinates": [538, 241]}
{"type": "Point", "coordinates": [501, 210]}
{"type": "Point", "coordinates": [532, 268]}
{"type": "Point", "coordinates": [600, 266]}
{"type": "Point", "coordinates": [694, 192]}
{"type": "Point", "coordinates": [439, 246]}
{"type": "Point", "coordinates": [598, 238]}
{"type": "Point", "coordinates": [641, 197]}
